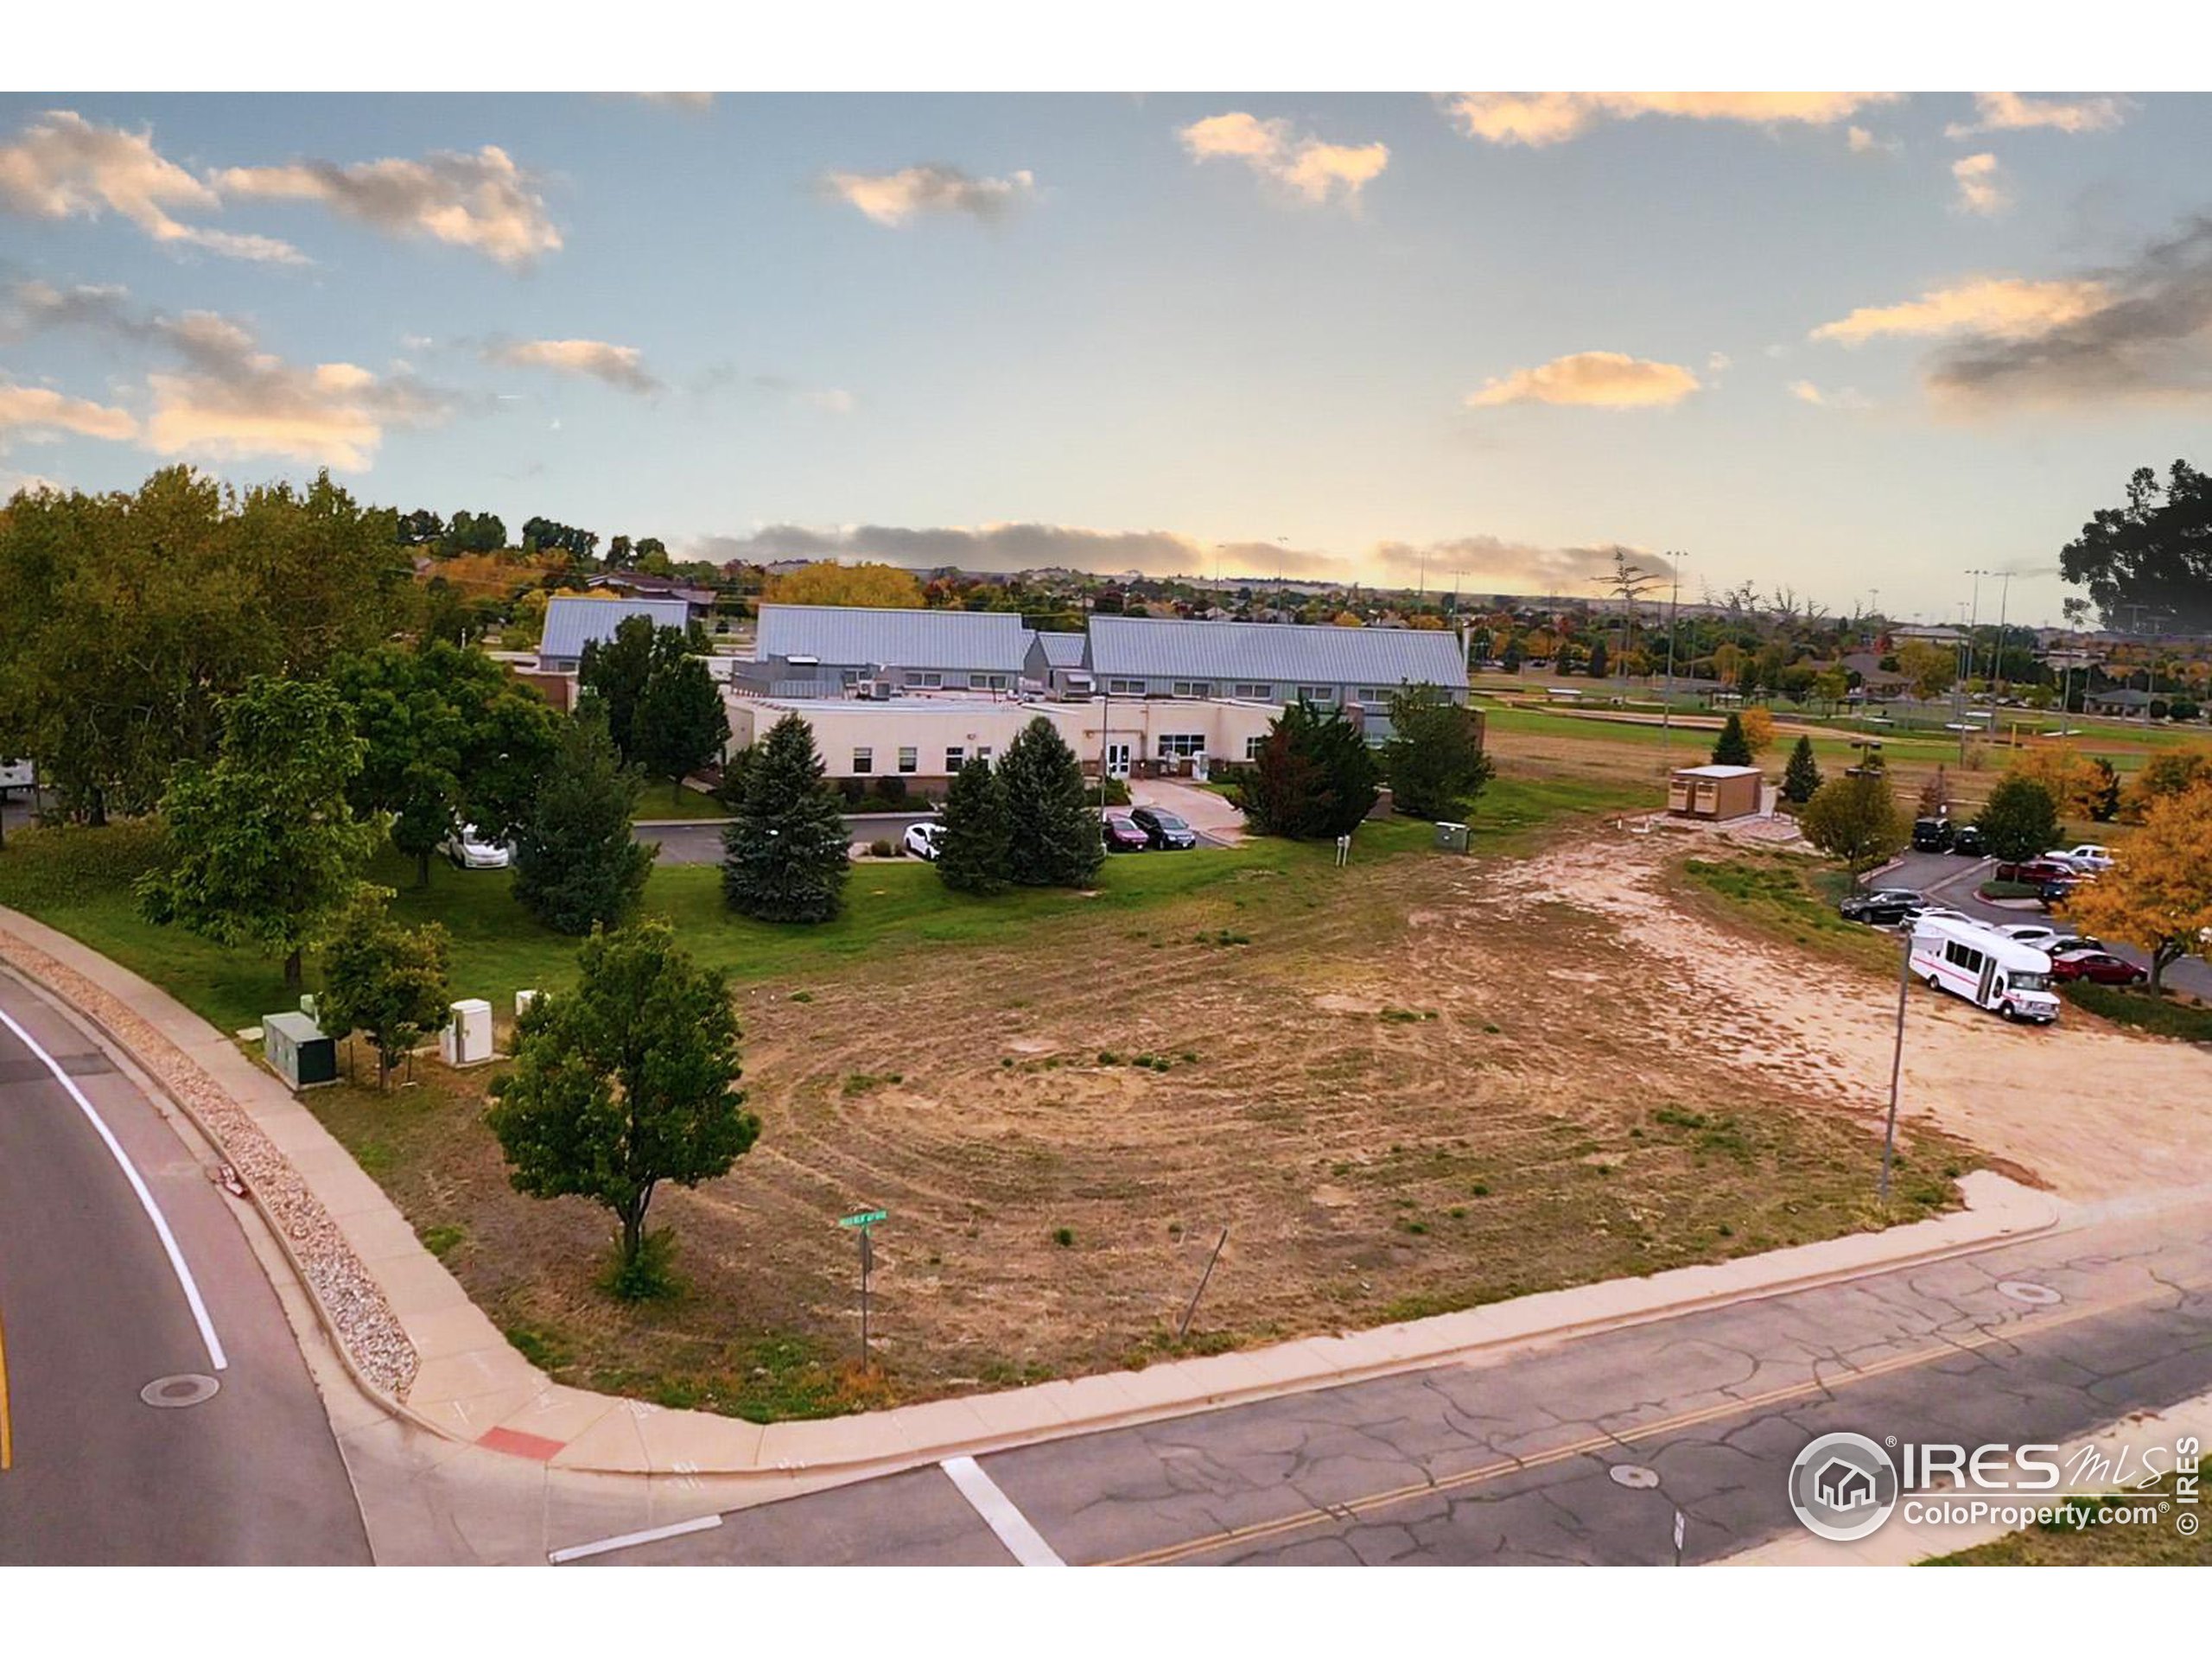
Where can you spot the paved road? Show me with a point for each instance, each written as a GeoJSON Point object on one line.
{"type": "Point", "coordinates": [1952, 882]}
{"type": "Point", "coordinates": [1579, 1451]}
{"type": "Point", "coordinates": [701, 844]}
{"type": "Point", "coordinates": [93, 1312]}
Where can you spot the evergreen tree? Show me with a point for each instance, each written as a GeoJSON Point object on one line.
{"type": "Point", "coordinates": [785, 855]}
{"type": "Point", "coordinates": [1801, 779]}
{"type": "Point", "coordinates": [1733, 749]}
{"type": "Point", "coordinates": [1314, 777]}
{"type": "Point", "coordinates": [2104, 798]}
{"type": "Point", "coordinates": [576, 863]}
{"type": "Point", "coordinates": [1599, 662]}
{"type": "Point", "coordinates": [1435, 759]}
{"type": "Point", "coordinates": [973, 853]}
{"type": "Point", "coordinates": [681, 724]}
{"type": "Point", "coordinates": [1052, 836]}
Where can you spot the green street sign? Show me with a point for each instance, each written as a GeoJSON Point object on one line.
{"type": "Point", "coordinates": [866, 1218]}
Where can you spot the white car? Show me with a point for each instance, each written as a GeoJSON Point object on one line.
{"type": "Point", "coordinates": [921, 839]}
{"type": "Point", "coordinates": [468, 847]}
{"type": "Point", "coordinates": [2038, 934]}
{"type": "Point", "coordinates": [2090, 858]}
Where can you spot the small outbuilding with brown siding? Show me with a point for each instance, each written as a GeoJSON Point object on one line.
{"type": "Point", "coordinates": [1714, 792]}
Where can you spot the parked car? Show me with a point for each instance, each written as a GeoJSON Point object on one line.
{"type": "Point", "coordinates": [921, 839]}
{"type": "Point", "coordinates": [1163, 828]}
{"type": "Point", "coordinates": [2089, 856]}
{"type": "Point", "coordinates": [2055, 893]}
{"type": "Point", "coordinates": [2063, 942]}
{"type": "Point", "coordinates": [471, 848]}
{"type": "Point", "coordinates": [2035, 870]}
{"type": "Point", "coordinates": [1882, 907]}
{"type": "Point", "coordinates": [2039, 934]}
{"type": "Point", "coordinates": [1967, 841]}
{"type": "Point", "coordinates": [1933, 835]}
{"type": "Point", "coordinates": [2098, 967]}
{"type": "Point", "coordinates": [1121, 833]}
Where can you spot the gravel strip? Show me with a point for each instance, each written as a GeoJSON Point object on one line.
{"type": "Point", "coordinates": [352, 1302]}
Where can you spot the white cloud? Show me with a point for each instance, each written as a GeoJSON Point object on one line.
{"type": "Point", "coordinates": [1806, 392]}
{"type": "Point", "coordinates": [1535, 119]}
{"type": "Point", "coordinates": [1863, 142]}
{"type": "Point", "coordinates": [2001, 307]}
{"type": "Point", "coordinates": [619, 366]}
{"type": "Point", "coordinates": [895, 197]}
{"type": "Point", "coordinates": [832, 400]}
{"type": "Point", "coordinates": [2010, 112]}
{"type": "Point", "coordinates": [1594, 379]}
{"type": "Point", "coordinates": [61, 166]}
{"type": "Point", "coordinates": [35, 413]}
{"type": "Point", "coordinates": [1981, 185]}
{"type": "Point", "coordinates": [1302, 165]}
{"type": "Point", "coordinates": [482, 202]}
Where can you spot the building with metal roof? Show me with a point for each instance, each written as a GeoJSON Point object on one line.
{"type": "Point", "coordinates": [572, 623]}
{"type": "Point", "coordinates": [834, 648]}
{"type": "Point", "coordinates": [1055, 662]}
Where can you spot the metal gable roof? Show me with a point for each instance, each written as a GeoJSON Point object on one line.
{"type": "Point", "coordinates": [857, 635]}
{"type": "Point", "coordinates": [570, 622]}
{"type": "Point", "coordinates": [1276, 652]}
{"type": "Point", "coordinates": [1062, 650]}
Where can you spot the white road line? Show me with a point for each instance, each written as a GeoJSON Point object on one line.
{"type": "Point", "coordinates": [1023, 1540]}
{"type": "Point", "coordinates": [652, 1534]}
{"type": "Point", "coordinates": [215, 1356]}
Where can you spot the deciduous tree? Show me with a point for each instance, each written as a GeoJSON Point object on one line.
{"type": "Point", "coordinates": [2019, 820]}
{"type": "Point", "coordinates": [879, 587]}
{"type": "Point", "coordinates": [1856, 820]}
{"type": "Point", "coordinates": [389, 982]}
{"type": "Point", "coordinates": [2158, 893]}
{"type": "Point", "coordinates": [2153, 555]}
{"type": "Point", "coordinates": [1932, 670]}
{"type": "Point", "coordinates": [681, 724]}
{"type": "Point", "coordinates": [1759, 730]}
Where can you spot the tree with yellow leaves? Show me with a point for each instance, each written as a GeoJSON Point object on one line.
{"type": "Point", "coordinates": [877, 587]}
{"type": "Point", "coordinates": [2070, 776]}
{"type": "Point", "coordinates": [1758, 729]}
{"type": "Point", "coordinates": [2159, 891]}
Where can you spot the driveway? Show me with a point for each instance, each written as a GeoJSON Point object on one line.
{"type": "Point", "coordinates": [1952, 881]}
{"type": "Point", "coordinates": [700, 840]}
{"type": "Point", "coordinates": [1217, 822]}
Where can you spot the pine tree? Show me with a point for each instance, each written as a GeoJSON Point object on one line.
{"type": "Point", "coordinates": [786, 855]}
{"type": "Point", "coordinates": [1053, 837]}
{"type": "Point", "coordinates": [1733, 749]}
{"type": "Point", "coordinates": [972, 855]}
{"type": "Point", "coordinates": [1599, 662]}
{"type": "Point", "coordinates": [1315, 775]}
{"type": "Point", "coordinates": [1802, 778]}
{"type": "Point", "coordinates": [577, 863]}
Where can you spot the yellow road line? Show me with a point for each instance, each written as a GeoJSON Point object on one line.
{"type": "Point", "coordinates": [1320, 1516]}
{"type": "Point", "coordinates": [7, 1427]}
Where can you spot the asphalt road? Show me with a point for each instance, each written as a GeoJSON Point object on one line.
{"type": "Point", "coordinates": [1575, 1451]}
{"type": "Point", "coordinates": [1952, 882]}
{"type": "Point", "coordinates": [93, 1310]}
{"type": "Point", "coordinates": [701, 844]}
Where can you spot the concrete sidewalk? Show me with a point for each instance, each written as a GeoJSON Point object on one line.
{"type": "Point", "coordinates": [416, 1344]}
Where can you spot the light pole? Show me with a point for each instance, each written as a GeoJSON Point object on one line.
{"type": "Point", "coordinates": [1958, 702]}
{"type": "Point", "coordinates": [1897, 1069]}
{"type": "Point", "coordinates": [2004, 606]}
{"type": "Point", "coordinates": [1674, 608]}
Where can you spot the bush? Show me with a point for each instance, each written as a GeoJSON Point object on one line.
{"type": "Point", "coordinates": [648, 1276]}
{"type": "Point", "coordinates": [881, 848]}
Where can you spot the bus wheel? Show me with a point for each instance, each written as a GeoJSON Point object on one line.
{"type": "Point", "coordinates": [1934, 984]}
{"type": "Point", "coordinates": [2004, 1012]}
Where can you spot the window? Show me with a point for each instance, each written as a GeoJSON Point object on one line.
{"type": "Point", "coordinates": [1254, 745]}
{"type": "Point", "coordinates": [863, 760]}
{"type": "Point", "coordinates": [1321, 697]}
{"type": "Point", "coordinates": [955, 758]}
{"type": "Point", "coordinates": [909, 760]}
{"type": "Point", "coordinates": [928, 679]}
{"type": "Point", "coordinates": [1194, 688]}
{"type": "Point", "coordinates": [1177, 745]}
{"type": "Point", "coordinates": [1960, 955]}
{"type": "Point", "coordinates": [1254, 692]}
{"type": "Point", "coordinates": [1375, 696]}
{"type": "Point", "coordinates": [1125, 688]}
{"type": "Point", "coordinates": [986, 682]}
{"type": "Point", "coordinates": [983, 751]}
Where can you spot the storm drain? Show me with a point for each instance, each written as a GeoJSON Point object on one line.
{"type": "Point", "coordinates": [2020, 1290]}
{"type": "Point", "coordinates": [1634, 1475]}
{"type": "Point", "coordinates": [189, 1389]}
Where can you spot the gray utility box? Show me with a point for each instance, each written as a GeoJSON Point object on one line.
{"type": "Point", "coordinates": [297, 1051]}
{"type": "Point", "coordinates": [1451, 837]}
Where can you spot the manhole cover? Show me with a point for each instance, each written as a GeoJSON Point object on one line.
{"type": "Point", "coordinates": [2034, 1295]}
{"type": "Point", "coordinates": [1634, 1475]}
{"type": "Point", "coordinates": [187, 1390]}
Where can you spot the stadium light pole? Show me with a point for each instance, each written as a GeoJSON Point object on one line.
{"type": "Point", "coordinates": [1674, 609]}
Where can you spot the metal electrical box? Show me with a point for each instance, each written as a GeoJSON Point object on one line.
{"type": "Point", "coordinates": [1451, 837]}
{"type": "Point", "coordinates": [297, 1051]}
{"type": "Point", "coordinates": [466, 1039]}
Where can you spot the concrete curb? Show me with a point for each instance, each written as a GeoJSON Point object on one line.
{"type": "Point", "coordinates": [473, 1387]}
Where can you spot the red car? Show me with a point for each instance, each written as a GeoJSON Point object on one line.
{"type": "Point", "coordinates": [2037, 871]}
{"type": "Point", "coordinates": [1121, 834]}
{"type": "Point", "coordinates": [2098, 967]}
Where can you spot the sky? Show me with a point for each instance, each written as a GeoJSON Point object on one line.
{"type": "Point", "coordinates": [1853, 344]}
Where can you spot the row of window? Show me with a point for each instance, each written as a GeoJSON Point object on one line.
{"type": "Point", "coordinates": [1321, 697]}
{"type": "Point", "coordinates": [911, 760]}
{"type": "Point", "coordinates": [937, 680]}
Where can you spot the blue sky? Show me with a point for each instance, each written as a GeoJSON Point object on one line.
{"type": "Point", "coordinates": [1355, 334]}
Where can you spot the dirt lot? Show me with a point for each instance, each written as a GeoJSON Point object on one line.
{"type": "Point", "coordinates": [1407, 1087]}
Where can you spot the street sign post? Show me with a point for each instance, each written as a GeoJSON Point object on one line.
{"type": "Point", "coordinates": [864, 1223]}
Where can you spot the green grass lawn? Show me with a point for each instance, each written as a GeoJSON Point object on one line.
{"type": "Point", "coordinates": [2089, 1542]}
{"type": "Point", "coordinates": [79, 879]}
{"type": "Point", "coordinates": [2162, 1016]}
{"type": "Point", "coordinates": [658, 801]}
{"type": "Point", "coordinates": [1789, 896]}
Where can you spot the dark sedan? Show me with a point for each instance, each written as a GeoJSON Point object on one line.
{"type": "Point", "coordinates": [2098, 967]}
{"type": "Point", "coordinates": [1121, 835]}
{"type": "Point", "coordinates": [1164, 829]}
{"type": "Point", "coordinates": [1883, 906]}
{"type": "Point", "coordinates": [1967, 840]}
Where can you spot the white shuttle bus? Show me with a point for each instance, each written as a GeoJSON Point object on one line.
{"type": "Point", "coordinates": [1988, 968]}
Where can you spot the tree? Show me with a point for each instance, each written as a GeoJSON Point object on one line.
{"type": "Point", "coordinates": [2019, 820]}
{"type": "Point", "coordinates": [1832, 685]}
{"type": "Point", "coordinates": [421, 528]}
{"type": "Point", "coordinates": [1931, 669]}
{"type": "Point", "coordinates": [786, 855]}
{"type": "Point", "coordinates": [1734, 748]}
{"type": "Point", "coordinates": [2152, 557]}
{"type": "Point", "coordinates": [613, 672]}
{"type": "Point", "coordinates": [577, 863]}
{"type": "Point", "coordinates": [1052, 836]}
{"type": "Point", "coordinates": [386, 982]}
{"type": "Point", "coordinates": [1801, 779]}
{"type": "Point", "coordinates": [681, 724]}
{"type": "Point", "coordinates": [1314, 776]}
{"type": "Point", "coordinates": [2066, 775]}
{"type": "Point", "coordinates": [974, 851]}
{"type": "Point", "coordinates": [878, 587]}
{"type": "Point", "coordinates": [1727, 663]}
{"type": "Point", "coordinates": [1936, 794]}
{"type": "Point", "coordinates": [2104, 799]}
{"type": "Point", "coordinates": [1759, 730]}
{"type": "Point", "coordinates": [1855, 819]}
{"type": "Point", "coordinates": [475, 533]}
{"type": "Point", "coordinates": [541, 534]}
{"type": "Point", "coordinates": [2170, 771]}
{"type": "Point", "coordinates": [2159, 891]}
{"type": "Point", "coordinates": [1435, 758]}
{"type": "Point", "coordinates": [263, 848]}
{"type": "Point", "coordinates": [1599, 663]}
{"type": "Point", "coordinates": [622, 1084]}
{"type": "Point", "coordinates": [1514, 656]}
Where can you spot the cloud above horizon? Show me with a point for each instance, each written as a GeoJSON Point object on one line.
{"type": "Point", "coordinates": [1538, 118]}
{"type": "Point", "coordinates": [2010, 112]}
{"type": "Point", "coordinates": [2004, 307]}
{"type": "Point", "coordinates": [61, 166]}
{"type": "Point", "coordinates": [1591, 379]}
{"type": "Point", "coordinates": [619, 366]}
{"type": "Point", "coordinates": [1301, 164]}
{"type": "Point", "coordinates": [895, 199]}
{"type": "Point", "coordinates": [482, 202]}
{"type": "Point", "coordinates": [37, 414]}
{"type": "Point", "coordinates": [1981, 185]}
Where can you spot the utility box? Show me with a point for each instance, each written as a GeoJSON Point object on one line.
{"type": "Point", "coordinates": [1451, 837]}
{"type": "Point", "coordinates": [297, 1051]}
{"type": "Point", "coordinates": [466, 1038]}
{"type": "Point", "coordinates": [523, 1000]}
{"type": "Point", "coordinates": [1715, 792]}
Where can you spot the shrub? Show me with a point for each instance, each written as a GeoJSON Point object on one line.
{"type": "Point", "coordinates": [881, 848]}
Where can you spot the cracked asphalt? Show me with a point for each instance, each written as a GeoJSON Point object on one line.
{"type": "Point", "coordinates": [1511, 1459]}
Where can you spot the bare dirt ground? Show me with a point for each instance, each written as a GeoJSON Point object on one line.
{"type": "Point", "coordinates": [2086, 1108]}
